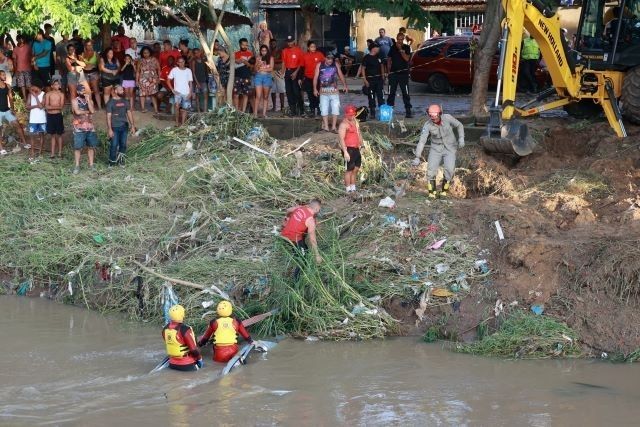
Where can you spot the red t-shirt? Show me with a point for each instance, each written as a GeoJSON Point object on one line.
{"type": "Point", "coordinates": [164, 76]}
{"type": "Point", "coordinates": [125, 42]}
{"type": "Point", "coordinates": [311, 59]}
{"type": "Point", "coordinates": [296, 226]}
{"type": "Point", "coordinates": [164, 57]}
{"type": "Point", "coordinates": [243, 72]}
{"type": "Point", "coordinates": [352, 137]}
{"type": "Point", "coordinates": [292, 57]}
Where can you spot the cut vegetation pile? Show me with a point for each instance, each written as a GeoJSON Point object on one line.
{"type": "Point", "coordinates": [202, 212]}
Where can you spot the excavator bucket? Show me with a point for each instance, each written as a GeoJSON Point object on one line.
{"type": "Point", "coordinates": [511, 137]}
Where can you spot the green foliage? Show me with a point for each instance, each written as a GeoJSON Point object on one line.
{"type": "Point", "coordinates": [527, 336]}
{"type": "Point", "coordinates": [65, 15]}
{"type": "Point", "coordinates": [408, 9]}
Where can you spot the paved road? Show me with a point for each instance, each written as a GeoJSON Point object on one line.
{"type": "Point", "coordinates": [420, 98]}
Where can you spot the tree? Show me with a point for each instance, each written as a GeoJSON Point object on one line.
{"type": "Point", "coordinates": [64, 15]}
{"type": "Point", "coordinates": [483, 53]}
{"type": "Point", "coordinates": [193, 14]}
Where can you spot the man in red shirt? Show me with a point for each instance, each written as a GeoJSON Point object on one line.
{"type": "Point", "coordinates": [22, 63]}
{"type": "Point", "coordinates": [167, 51]}
{"type": "Point", "coordinates": [311, 59]}
{"type": "Point", "coordinates": [125, 42]}
{"type": "Point", "coordinates": [164, 94]}
{"type": "Point", "coordinates": [299, 223]}
{"type": "Point", "coordinates": [292, 62]}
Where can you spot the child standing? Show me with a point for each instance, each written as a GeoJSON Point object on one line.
{"type": "Point", "coordinates": [6, 105]}
{"type": "Point", "coordinates": [37, 117]}
{"type": "Point", "coordinates": [53, 104]}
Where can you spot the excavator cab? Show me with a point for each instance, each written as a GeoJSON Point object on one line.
{"type": "Point", "coordinates": [601, 71]}
{"type": "Point", "coordinates": [608, 35]}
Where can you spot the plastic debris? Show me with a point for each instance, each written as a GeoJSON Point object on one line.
{"type": "Point", "coordinates": [461, 280]}
{"type": "Point", "coordinates": [499, 230]}
{"type": "Point", "coordinates": [24, 288]}
{"type": "Point", "coordinates": [414, 274]}
{"type": "Point", "coordinates": [361, 309]}
{"type": "Point", "coordinates": [437, 245]}
{"type": "Point", "coordinates": [482, 266]}
{"type": "Point", "coordinates": [387, 202]}
{"type": "Point", "coordinates": [389, 219]}
{"type": "Point", "coordinates": [98, 238]}
{"type": "Point", "coordinates": [312, 338]}
{"type": "Point", "coordinates": [207, 304]}
{"type": "Point", "coordinates": [442, 268]}
{"type": "Point", "coordinates": [443, 293]}
{"type": "Point", "coordinates": [498, 308]}
{"type": "Point", "coordinates": [537, 309]}
{"type": "Point", "coordinates": [169, 299]}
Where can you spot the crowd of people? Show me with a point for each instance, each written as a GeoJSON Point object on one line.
{"type": "Point", "coordinates": [126, 76]}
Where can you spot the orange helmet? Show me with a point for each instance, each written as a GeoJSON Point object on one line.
{"type": "Point", "coordinates": [350, 111]}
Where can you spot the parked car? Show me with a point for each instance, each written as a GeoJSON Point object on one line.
{"type": "Point", "coordinates": [445, 62]}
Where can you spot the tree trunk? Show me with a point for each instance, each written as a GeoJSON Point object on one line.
{"type": "Point", "coordinates": [483, 56]}
{"type": "Point", "coordinates": [105, 34]}
{"type": "Point", "coordinates": [308, 13]}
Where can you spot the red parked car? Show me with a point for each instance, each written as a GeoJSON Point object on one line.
{"type": "Point", "coordinates": [445, 62]}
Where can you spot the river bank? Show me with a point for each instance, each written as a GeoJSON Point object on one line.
{"type": "Point", "coordinates": [195, 206]}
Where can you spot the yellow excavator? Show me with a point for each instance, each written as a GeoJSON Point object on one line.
{"type": "Point", "coordinates": [601, 72]}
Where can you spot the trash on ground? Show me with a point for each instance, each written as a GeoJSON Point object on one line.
{"type": "Point", "coordinates": [387, 202]}
{"type": "Point", "coordinates": [443, 293]}
{"type": "Point", "coordinates": [437, 245]}
{"type": "Point", "coordinates": [537, 309]}
{"type": "Point", "coordinates": [442, 268]}
{"type": "Point", "coordinates": [499, 230]}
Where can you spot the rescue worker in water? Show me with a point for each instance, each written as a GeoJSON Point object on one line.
{"type": "Point", "coordinates": [181, 342]}
{"type": "Point", "coordinates": [225, 330]}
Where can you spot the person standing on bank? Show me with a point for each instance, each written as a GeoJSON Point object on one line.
{"type": "Point", "coordinates": [292, 57]}
{"type": "Point", "coordinates": [325, 83]}
{"type": "Point", "coordinates": [385, 42]}
{"type": "Point", "coordinates": [84, 132]}
{"type": "Point", "coordinates": [444, 145]}
{"type": "Point", "coordinates": [350, 140]}
{"type": "Point", "coordinates": [311, 60]}
{"type": "Point", "coordinates": [398, 66]}
{"type": "Point", "coordinates": [278, 89]}
{"type": "Point", "coordinates": [180, 81]}
{"type": "Point", "coordinates": [263, 80]}
{"type": "Point", "coordinates": [119, 122]}
{"type": "Point", "coordinates": [372, 70]}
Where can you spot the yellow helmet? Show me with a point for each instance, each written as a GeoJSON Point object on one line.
{"type": "Point", "coordinates": [224, 309]}
{"type": "Point", "coordinates": [176, 313]}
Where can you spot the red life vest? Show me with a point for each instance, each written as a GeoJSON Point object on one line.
{"type": "Point", "coordinates": [352, 136]}
{"type": "Point", "coordinates": [296, 227]}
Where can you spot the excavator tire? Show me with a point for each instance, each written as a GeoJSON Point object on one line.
{"type": "Point", "coordinates": [631, 96]}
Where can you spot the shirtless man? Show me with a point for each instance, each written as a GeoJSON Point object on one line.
{"type": "Point", "coordinates": [53, 104]}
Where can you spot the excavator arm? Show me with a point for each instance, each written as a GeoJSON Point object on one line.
{"type": "Point", "coordinates": [571, 82]}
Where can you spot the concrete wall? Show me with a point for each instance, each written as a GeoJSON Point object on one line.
{"type": "Point", "coordinates": [368, 24]}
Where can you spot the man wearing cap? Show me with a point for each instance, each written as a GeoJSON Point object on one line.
{"type": "Point", "coordinates": [292, 57]}
{"type": "Point", "coordinates": [372, 71]}
{"type": "Point", "coordinates": [350, 140]}
{"type": "Point", "coordinates": [325, 86]}
{"type": "Point", "coordinates": [311, 59]}
{"type": "Point", "coordinates": [443, 147]}
{"type": "Point", "coordinates": [84, 132]}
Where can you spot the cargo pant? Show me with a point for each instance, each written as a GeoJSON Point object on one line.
{"type": "Point", "coordinates": [439, 153]}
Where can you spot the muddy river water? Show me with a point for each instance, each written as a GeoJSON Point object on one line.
{"type": "Point", "coordinates": [64, 366]}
